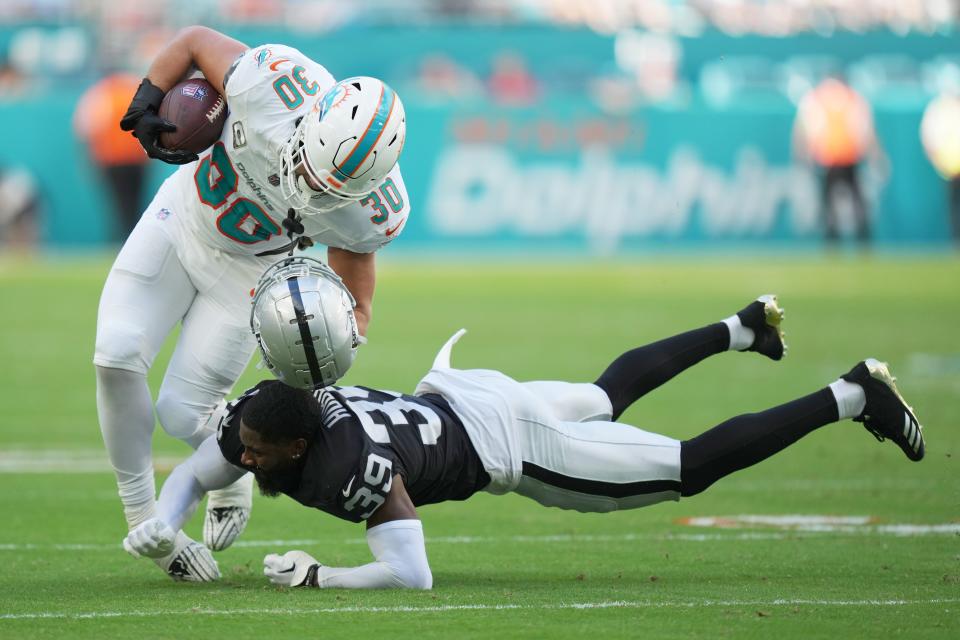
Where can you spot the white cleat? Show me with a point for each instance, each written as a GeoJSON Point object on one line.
{"type": "Point", "coordinates": [190, 561]}
{"type": "Point", "coordinates": [223, 525]}
{"type": "Point", "coordinates": [228, 511]}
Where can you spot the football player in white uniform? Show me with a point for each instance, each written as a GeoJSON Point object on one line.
{"type": "Point", "coordinates": [301, 159]}
{"type": "Point", "coordinates": [373, 456]}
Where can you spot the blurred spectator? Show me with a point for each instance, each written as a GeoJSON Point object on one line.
{"type": "Point", "coordinates": [510, 81]}
{"type": "Point", "coordinates": [19, 209]}
{"type": "Point", "coordinates": [652, 61]}
{"type": "Point", "coordinates": [117, 155]}
{"type": "Point", "coordinates": [440, 79]}
{"type": "Point", "coordinates": [682, 17]}
{"type": "Point", "coordinates": [12, 83]}
{"type": "Point", "coordinates": [834, 129]}
{"type": "Point", "coordinates": [940, 134]}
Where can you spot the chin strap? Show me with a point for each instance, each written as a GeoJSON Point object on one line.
{"type": "Point", "coordinates": [292, 223]}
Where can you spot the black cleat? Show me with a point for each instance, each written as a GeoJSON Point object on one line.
{"type": "Point", "coordinates": [764, 316]}
{"type": "Point", "coordinates": [887, 414]}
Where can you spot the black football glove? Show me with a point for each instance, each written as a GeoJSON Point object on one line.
{"type": "Point", "coordinates": [141, 118]}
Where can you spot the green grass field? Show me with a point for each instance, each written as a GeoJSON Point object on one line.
{"type": "Point", "coordinates": [504, 566]}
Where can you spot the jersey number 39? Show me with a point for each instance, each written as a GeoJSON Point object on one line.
{"type": "Point", "coordinates": [379, 477]}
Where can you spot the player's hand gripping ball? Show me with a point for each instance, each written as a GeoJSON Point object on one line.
{"type": "Point", "coordinates": [198, 111]}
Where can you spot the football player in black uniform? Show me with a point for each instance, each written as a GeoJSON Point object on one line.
{"type": "Point", "coordinates": [367, 455]}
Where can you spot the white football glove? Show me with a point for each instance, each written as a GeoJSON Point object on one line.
{"type": "Point", "coordinates": [292, 569]}
{"type": "Point", "coordinates": [153, 539]}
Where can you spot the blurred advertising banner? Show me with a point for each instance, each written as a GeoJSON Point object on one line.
{"type": "Point", "coordinates": [531, 140]}
{"type": "Point", "coordinates": [575, 179]}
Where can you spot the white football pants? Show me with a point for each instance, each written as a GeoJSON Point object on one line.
{"type": "Point", "coordinates": [554, 442]}
{"type": "Point", "coordinates": [162, 277]}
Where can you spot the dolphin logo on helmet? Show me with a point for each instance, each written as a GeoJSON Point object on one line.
{"type": "Point", "coordinates": [344, 147]}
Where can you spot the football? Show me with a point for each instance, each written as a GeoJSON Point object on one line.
{"type": "Point", "coordinates": [199, 112]}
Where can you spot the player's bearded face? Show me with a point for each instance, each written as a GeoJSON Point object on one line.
{"type": "Point", "coordinates": [276, 466]}
{"type": "Point", "coordinates": [272, 483]}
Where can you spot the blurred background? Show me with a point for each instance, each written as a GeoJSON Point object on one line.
{"type": "Point", "coordinates": [570, 127]}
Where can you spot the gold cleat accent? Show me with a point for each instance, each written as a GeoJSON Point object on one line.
{"type": "Point", "coordinates": [774, 315]}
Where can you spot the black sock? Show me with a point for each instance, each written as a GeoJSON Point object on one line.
{"type": "Point", "coordinates": [746, 440]}
{"type": "Point", "coordinates": [641, 370]}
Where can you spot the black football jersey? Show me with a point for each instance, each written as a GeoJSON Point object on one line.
{"type": "Point", "coordinates": [365, 438]}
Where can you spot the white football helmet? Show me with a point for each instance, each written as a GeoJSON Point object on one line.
{"type": "Point", "coordinates": [303, 320]}
{"type": "Point", "coordinates": [344, 147]}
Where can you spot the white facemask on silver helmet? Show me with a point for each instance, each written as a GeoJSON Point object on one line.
{"type": "Point", "coordinates": [344, 147]}
{"type": "Point", "coordinates": [303, 320]}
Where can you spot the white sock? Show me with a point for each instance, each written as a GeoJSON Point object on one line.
{"type": "Point", "coordinates": [125, 409]}
{"type": "Point", "coordinates": [238, 494]}
{"type": "Point", "coordinates": [741, 337]}
{"type": "Point", "coordinates": [137, 493]}
{"type": "Point", "coordinates": [851, 398]}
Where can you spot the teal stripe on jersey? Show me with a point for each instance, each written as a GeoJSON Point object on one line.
{"type": "Point", "coordinates": [370, 136]}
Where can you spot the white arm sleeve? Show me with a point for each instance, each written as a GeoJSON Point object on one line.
{"type": "Point", "coordinates": [401, 556]}
{"type": "Point", "coordinates": [204, 471]}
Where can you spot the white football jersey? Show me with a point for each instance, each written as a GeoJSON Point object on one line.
{"type": "Point", "coordinates": [231, 196]}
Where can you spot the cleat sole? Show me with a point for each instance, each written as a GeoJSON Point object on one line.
{"type": "Point", "coordinates": [773, 315]}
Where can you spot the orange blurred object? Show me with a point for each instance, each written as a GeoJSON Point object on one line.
{"type": "Point", "coordinates": [836, 124]}
{"type": "Point", "coordinates": [97, 121]}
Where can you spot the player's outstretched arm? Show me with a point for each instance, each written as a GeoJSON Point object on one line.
{"type": "Point", "coordinates": [395, 536]}
{"type": "Point", "coordinates": [204, 471]}
{"type": "Point", "coordinates": [358, 271]}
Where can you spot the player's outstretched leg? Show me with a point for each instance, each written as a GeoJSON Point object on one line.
{"type": "Point", "coordinates": [886, 414]}
{"type": "Point", "coordinates": [641, 370]}
{"type": "Point", "coordinates": [866, 394]}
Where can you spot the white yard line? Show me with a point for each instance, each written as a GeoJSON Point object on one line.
{"type": "Point", "coordinates": [898, 530]}
{"type": "Point", "coordinates": [615, 604]}
{"type": "Point", "coordinates": [69, 461]}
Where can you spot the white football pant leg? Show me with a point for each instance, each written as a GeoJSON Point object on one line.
{"type": "Point", "coordinates": [572, 401]}
{"type": "Point", "coordinates": [213, 349]}
{"type": "Point", "coordinates": [596, 466]}
{"type": "Point", "coordinates": [145, 295]}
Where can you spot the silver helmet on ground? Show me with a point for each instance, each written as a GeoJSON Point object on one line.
{"type": "Point", "coordinates": [303, 320]}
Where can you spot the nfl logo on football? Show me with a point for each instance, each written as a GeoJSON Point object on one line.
{"type": "Point", "coordinates": [195, 91]}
